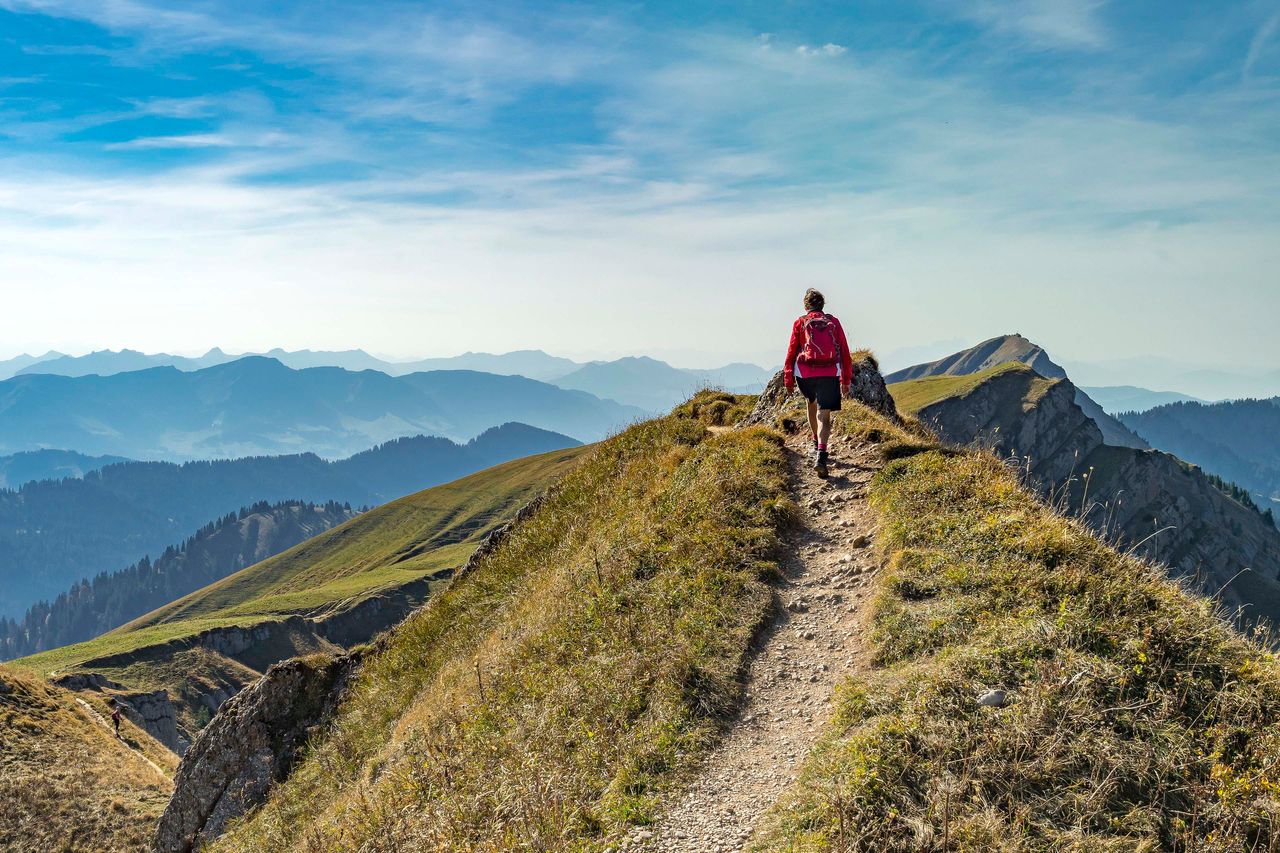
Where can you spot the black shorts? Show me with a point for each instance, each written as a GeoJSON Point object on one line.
{"type": "Point", "coordinates": [824, 389]}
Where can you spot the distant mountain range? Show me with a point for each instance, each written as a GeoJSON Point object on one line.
{"type": "Point", "coordinates": [647, 383]}
{"type": "Point", "coordinates": [257, 406]}
{"type": "Point", "coordinates": [1115, 399]}
{"type": "Point", "coordinates": [55, 533]}
{"type": "Point", "coordinates": [1238, 440]}
{"type": "Point", "coordinates": [49, 465]}
{"type": "Point", "coordinates": [1015, 348]}
{"type": "Point", "coordinates": [1194, 380]}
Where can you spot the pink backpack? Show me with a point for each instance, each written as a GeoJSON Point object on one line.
{"type": "Point", "coordinates": [821, 342]}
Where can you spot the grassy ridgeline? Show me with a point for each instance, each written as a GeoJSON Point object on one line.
{"type": "Point", "coordinates": [1140, 721]}
{"type": "Point", "coordinates": [544, 699]}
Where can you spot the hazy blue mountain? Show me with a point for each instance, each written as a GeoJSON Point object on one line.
{"type": "Point", "coordinates": [53, 533]}
{"type": "Point", "coordinates": [656, 386]}
{"type": "Point", "coordinates": [1195, 380]}
{"type": "Point", "coordinates": [1115, 399]}
{"type": "Point", "coordinates": [535, 364]}
{"type": "Point", "coordinates": [90, 607]}
{"type": "Point", "coordinates": [49, 465]}
{"type": "Point", "coordinates": [1016, 348]}
{"type": "Point", "coordinates": [257, 406]}
{"type": "Point", "coordinates": [10, 366]}
{"type": "Point", "coordinates": [1238, 440]}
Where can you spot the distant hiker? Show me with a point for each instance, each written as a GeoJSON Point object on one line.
{"type": "Point", "coordinates": [820, 353]}
{"type": "Point", "coordinates": [115, 715]}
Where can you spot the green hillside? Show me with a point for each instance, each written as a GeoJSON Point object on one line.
{"type": "Point", "coordinates": [384, 552]}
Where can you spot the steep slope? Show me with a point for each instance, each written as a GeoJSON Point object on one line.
{"type": "Point", "coordinates": [484, 713]}
{"type": "Point", "coordinates": [32, 465]}
{"type": "Point", "coordinates": [1034, 690]}
{"type": "Point", "coordinates": [216, 550]}
{"type": "Point", "coordinates": [67, 783]}
{"type": "Point", "coordinates": [1149, 501]}
{"type": "Point", "coordinates": [1115, 399]}
{"type": "Point", "coordinates": [334, 590]}
{"type": "Point", "coordinates": [1238, 439]}
{"type": "Point", "coordinates": [1015, 348]}
{"type": "Point", "coordinates": [258, 406]}
{"type": "Point", "coordinates": [53, 534]}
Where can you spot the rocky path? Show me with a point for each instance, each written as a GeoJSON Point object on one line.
{"type": "Point", "coordinates": [815, 642]}
{"type": "Point", "coordinates": [94, 717]}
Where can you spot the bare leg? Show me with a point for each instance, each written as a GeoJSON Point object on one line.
{"type": "Point", "coordinates": [813, 417]}
{"type": "Point", "coordinates": [824, 426]}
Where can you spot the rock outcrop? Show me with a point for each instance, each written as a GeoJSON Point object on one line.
{"type": "Point", "coordinates": [250, 745]}
{"type": "Point", "coordinates": [866, 386]}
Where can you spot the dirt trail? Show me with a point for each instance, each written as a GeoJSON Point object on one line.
{"type": "Point", "coordinates": [815, 642]}
{"type": "Point", "coordinates": [94, 717]}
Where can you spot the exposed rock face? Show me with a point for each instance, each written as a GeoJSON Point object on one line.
{"type": "Point", "coordinates": [1017, 349]}
{"type": "Point", "coordinates": [1020, 414]}
{"type": "Point", "coordinates": [1163, 508]}
{"type": "Point", "coordinates": [251, 744]}
{"type": "Point", "coordinates": [866, 386]}
{"type": "Point", "coordinates": [154, 713]}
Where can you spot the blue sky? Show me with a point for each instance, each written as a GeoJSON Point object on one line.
{"type": "Point", "coordinates": [600, 179]}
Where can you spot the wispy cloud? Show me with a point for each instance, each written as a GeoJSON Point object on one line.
{"type": "Point", "coordinates": [1259, 43]}
{"type": "Point", "coordinates": [1074, 24]}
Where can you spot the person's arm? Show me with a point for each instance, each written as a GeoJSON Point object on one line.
{"type": "Point", "coordinates": [793, 350]}
{"type": "Point", "coordinates": [846, 361]}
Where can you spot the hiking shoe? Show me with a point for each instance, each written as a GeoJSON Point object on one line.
{"type": "Point", "coordinates": [821, 464]}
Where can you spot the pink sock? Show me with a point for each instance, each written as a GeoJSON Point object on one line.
{"type": "Point", "coordinates": [821, 446]}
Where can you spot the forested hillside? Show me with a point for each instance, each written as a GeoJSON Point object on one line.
{"type": "Point", "coordinates": [55, 533]}
{"type": "Point", "coordinates": [220, 548]}
{"type": "Point", "coordinates": [1238, 440]}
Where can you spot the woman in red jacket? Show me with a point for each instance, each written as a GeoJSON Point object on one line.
{"type": "Point", "coordinates": [820, 353]}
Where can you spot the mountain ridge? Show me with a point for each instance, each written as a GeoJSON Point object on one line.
{"type": "Point", "coordinates": [1016, 348]}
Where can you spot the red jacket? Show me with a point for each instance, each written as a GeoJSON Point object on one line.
{"type": "Point", "coordinates": [807, 371]}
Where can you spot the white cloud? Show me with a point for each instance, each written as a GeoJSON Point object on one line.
{"type": "Point", "coordinates": [826, 50]}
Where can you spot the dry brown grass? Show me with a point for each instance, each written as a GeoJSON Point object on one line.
{"type": "Point", "coordinates": [66, 784]}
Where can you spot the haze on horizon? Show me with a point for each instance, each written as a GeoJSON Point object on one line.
{"type": "Point", "coordinates": [422, 179]}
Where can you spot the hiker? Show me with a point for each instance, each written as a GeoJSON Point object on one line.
{"type": "Point", "coordinates": [820, 353]}
{"type": "Point", "coordinates": [115, 715]}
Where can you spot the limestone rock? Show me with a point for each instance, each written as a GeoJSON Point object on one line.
{"type": "Point", "coordinates": [866, 386]}
{"type": "Point", "coordinates": [249, 746]}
